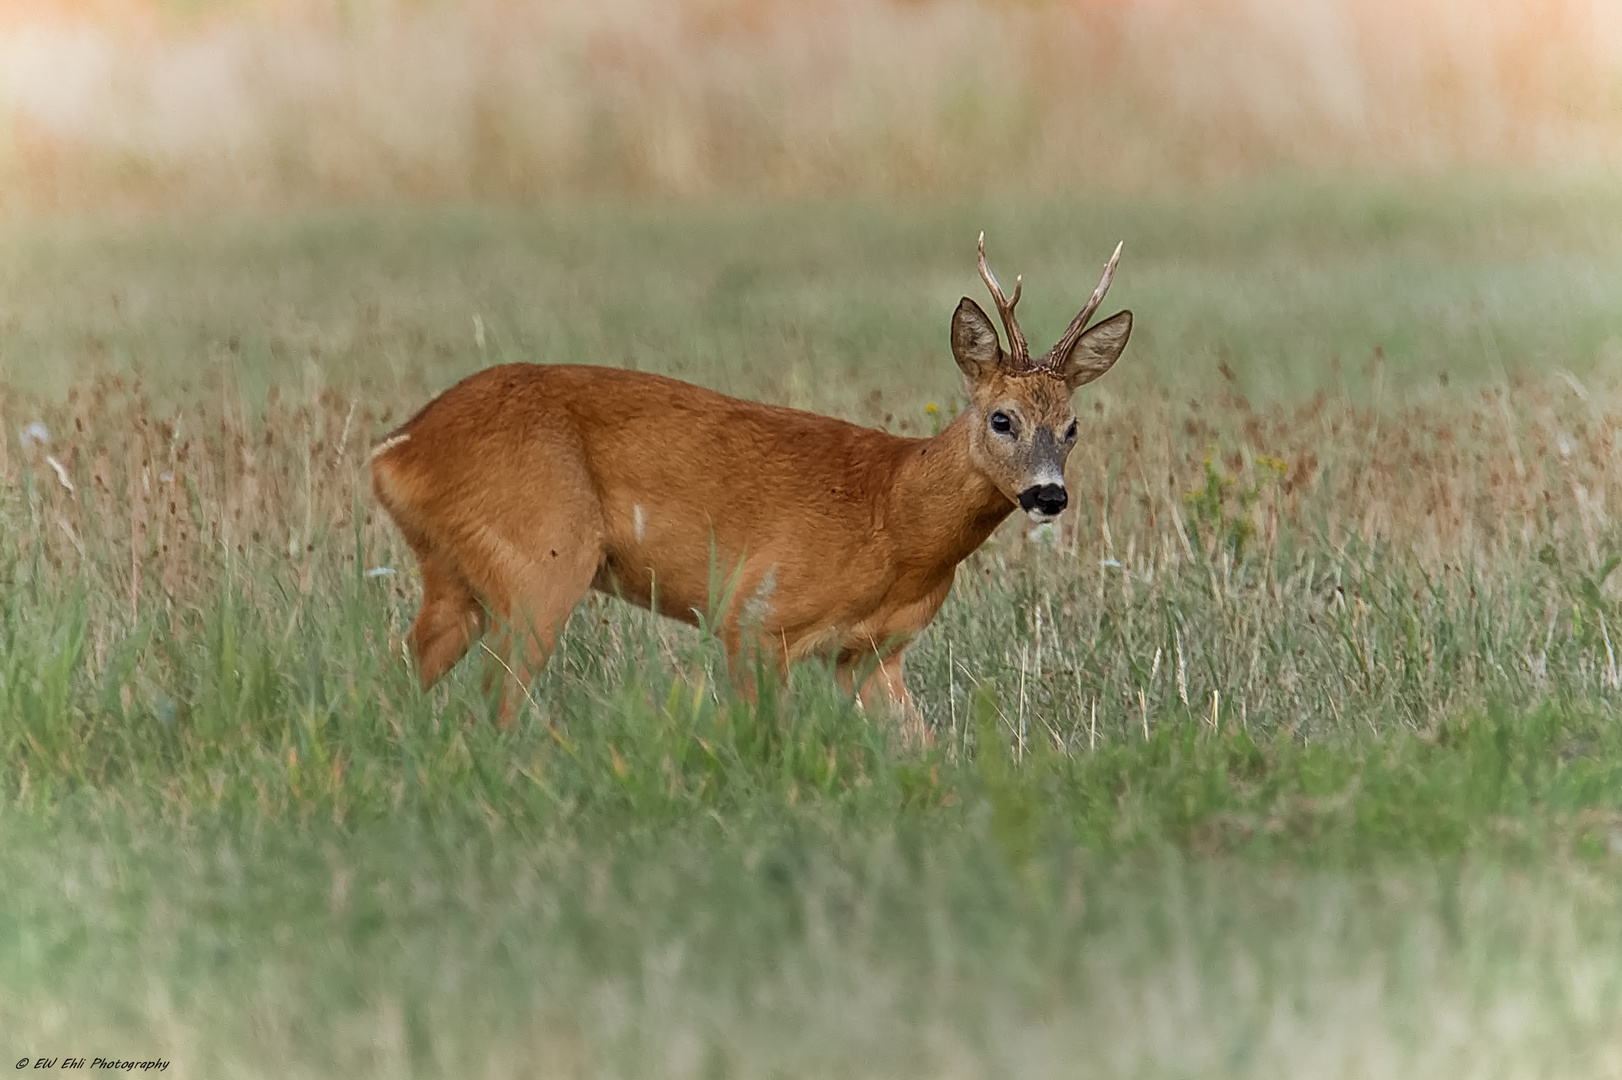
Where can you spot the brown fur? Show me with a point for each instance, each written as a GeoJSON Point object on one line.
{"type": "Point", "coordinates": [524, 486]}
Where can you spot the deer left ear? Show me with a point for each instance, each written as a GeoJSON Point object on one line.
{"type": "Point", "coordinates": [1096, 351]}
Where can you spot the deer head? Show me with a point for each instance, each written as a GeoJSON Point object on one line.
{"type": "Point", "coordinates": [1021, 425]}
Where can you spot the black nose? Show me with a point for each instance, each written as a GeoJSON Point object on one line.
{"type": "Point", "coordinates": [1047, 499]}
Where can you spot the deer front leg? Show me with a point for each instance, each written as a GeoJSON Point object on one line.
{"type": "Point", "coordinates": [748, 654]}
{"type": "Point", "coordinates": [886, 689]}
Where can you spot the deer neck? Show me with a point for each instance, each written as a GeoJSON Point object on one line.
{"type": "Point", "coordinates": [941, 507]}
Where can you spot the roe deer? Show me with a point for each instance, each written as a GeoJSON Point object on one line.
{"type": "Point", "coordinates": [524, 486]}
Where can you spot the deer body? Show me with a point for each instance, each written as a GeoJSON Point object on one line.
{"type": "Point", "coordinates": [524, 486]}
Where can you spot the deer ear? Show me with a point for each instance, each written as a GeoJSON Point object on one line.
{"type": "Point", "coordinates": [1096, 351]}
{"type": "Point", "coordinates": [974, 340]}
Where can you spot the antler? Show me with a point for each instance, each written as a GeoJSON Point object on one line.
{"type": "Point", "coordinates": [1056, 355]}
{"type": "Point", "coordinates": [1019, 354]}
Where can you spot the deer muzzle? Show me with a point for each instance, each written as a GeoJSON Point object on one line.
{"type": "Point", "coordinates": [1043, 502]}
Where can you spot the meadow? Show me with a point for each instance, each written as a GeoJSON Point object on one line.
{"type": "Point", "coordinates": [1291, 751]}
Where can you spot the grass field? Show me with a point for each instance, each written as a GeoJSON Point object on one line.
{"type": "Point", "coordinates": [1292, 751]}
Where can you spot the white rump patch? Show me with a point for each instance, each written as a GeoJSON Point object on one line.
{"type": "Point", "coordinates": [388, 444]}
{"type": "Point", "coordinates": [639, 521]}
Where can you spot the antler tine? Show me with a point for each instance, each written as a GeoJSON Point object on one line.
{"type": "Point", "coordinates": [1019, 354]}
{"type": "Point", "coordinates": [1078, 325]}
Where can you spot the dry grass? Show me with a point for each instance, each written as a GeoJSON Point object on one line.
{"type": "Point", "coordinates": [1485, 480]}
{"type": "Point", "coordinates": [485, 99]}
{"type": "Point", "coordinates": [1323, 567]}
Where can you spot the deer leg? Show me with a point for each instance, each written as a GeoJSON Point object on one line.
{"type": "Point", "coordinates": [450, 619]}
{"type": "Point", "coordinates": [526, 636]}
{"type": "Point", "coordinates": [885, 688]}
{"type": "Point", "coordinates": [746, 652]}
{"type": "Point", "coordinates": [494, 556]}
{"type": "Point", "coordinates": [530, 598]}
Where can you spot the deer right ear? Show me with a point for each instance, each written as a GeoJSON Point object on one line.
{"type": "Point", "coordinates": [974, 340]}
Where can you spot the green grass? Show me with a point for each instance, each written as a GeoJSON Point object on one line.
{"type": "Point", "coordinates": [1244, 771]}
{"type": "Point", "coordinates": [827, 305]}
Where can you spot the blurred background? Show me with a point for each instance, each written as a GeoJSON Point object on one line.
{"type": "Point", "coordinates": [182, 103]}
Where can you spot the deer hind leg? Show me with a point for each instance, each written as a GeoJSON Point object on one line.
{"type": "Point", "coordinates": [531, 596]}
{"type": "Point", "coordinates": [524, 593]}
{"type": "Point", "coordinates": [451, 618]}
{"type": "Point", "coordinates": [526, 634]}
{"type": "Point", "coordinates": [515, 562]}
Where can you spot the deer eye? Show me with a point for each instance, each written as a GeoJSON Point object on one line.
{"type": "Point", "coordinates": [1001, 424]}
{"type": "Point", "coordinates": [1070, 432]}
